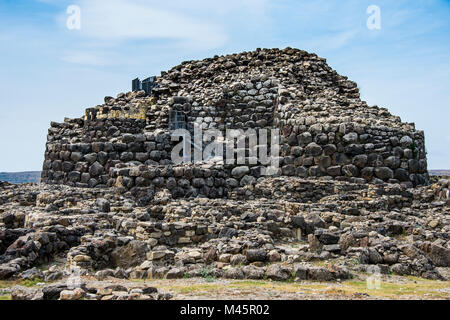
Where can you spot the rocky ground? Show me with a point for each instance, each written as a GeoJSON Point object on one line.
{"type": "Point", "coordinates": [284, 237]}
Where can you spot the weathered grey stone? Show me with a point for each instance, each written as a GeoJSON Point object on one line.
{"type": "Point", "coordinates": [384, 173]}
{"type": "Point", "coordinates": [334, 171]}
{"type": "Point", "coordinates": [130, 255]}
{"type": "Point", "coordinates": [313, 149]}
{"type": "Point", "coordinates": [304, 139]}
{"type": "Point", "coordinates": [252, 272]}
{"type": "Point", "coordinates": [350, 170]}
{"type": "Point", "coordinates": [351, 137]}
{"type": "Point", "coordinates": [392, 162]}
{"type": "Point", "coordinates": [24, 293]}
{"type": "Point", "coordinates": [175, 273]}
{"type": "Point", "coordinates": [256, 255]}
{"type": "Point", "coordinates": [360, 161]}
{"type": "Point", "coordinates": [103, 205]}
{"type": "Point", "coordinates": [367, 173]}
{"type": "Point", "coordinates": [406, 141]}
{"type": "Point", "coordinates": [234, 273]}
{"type": "Point", "coordinates": [247, 180]}
{"type": "Point", "coordinates": [239, 172]}
{"type": "Point", "coordinates": [328, 238]}
{"type": "Point", "coordinates": [96, 169]}
{"type": "Point", "coordinates": [279, 272]}
{"type": "Point", "coordinates": [374, 256]}
{"type": "Point", "coordinates": [438, 254]}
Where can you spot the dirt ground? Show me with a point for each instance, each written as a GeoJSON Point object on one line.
{"type": "Point", "coordinates": [390, 287]}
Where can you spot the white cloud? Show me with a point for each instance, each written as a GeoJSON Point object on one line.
{"type": "Point", "coordinates": [85, 58]}
{"type": "Point", "coordinates": [118, 20]}
{"type": "Point", "coordinates": [171, 26]}
{"type": "Point", "coordinates": [331, 41]}
{"type": "Point", "coordinates": [48, 1]}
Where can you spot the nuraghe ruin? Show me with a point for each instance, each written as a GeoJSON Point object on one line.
{"type": "Point", "coordinates": [352, 194]}
{"type": "Point", "coordinates": [327, 131]}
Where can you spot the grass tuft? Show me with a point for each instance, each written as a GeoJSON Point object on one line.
{"type": "Point", "coordinates": [31, 282]}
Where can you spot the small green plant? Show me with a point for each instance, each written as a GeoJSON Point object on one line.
{"type": "Point", "coordinates": [205, 271]}
{"type": "Point", "coordinates": [292, 277]}
{"type": "Point", "coordinates": [414, 149]}
{"type": "Point", "coordinates": [186, 275]}
{"type": "Point", "coordinates": [31, 282]}
{"type": "Point", "coordinates": [206, 274]}
{"type": "Point", "coordinates": [210, 279]}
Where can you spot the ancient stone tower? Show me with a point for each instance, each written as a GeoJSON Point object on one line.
{"type": "Point", "coordinates": [327, 131]}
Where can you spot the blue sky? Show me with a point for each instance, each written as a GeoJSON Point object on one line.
{"type": "Point", "coordinates": [48, 72]}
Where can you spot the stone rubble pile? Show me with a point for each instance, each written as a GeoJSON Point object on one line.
{"type": "Point", "coordinates": [283, 228]}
